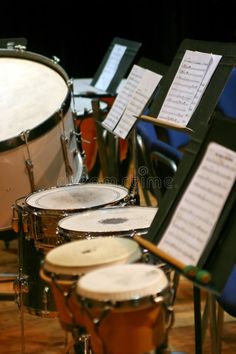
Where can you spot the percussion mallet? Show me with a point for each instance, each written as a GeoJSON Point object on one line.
{"type": "Point", "coordinates": [190, 271]}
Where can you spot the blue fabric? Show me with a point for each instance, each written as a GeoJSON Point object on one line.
{"type": "Point", "coordinates": [177, 139]}
{"type": "Point", "coordinates": [227, 100]}
{"type": "Point", "coordinates": [152, 143]}
{"type": "Point", "coordinates": [227, 299]}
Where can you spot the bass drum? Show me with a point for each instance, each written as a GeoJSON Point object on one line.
{"type": "Point", "coordinates": [38, 147]}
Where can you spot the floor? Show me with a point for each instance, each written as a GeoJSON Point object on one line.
{"type": "Point", "coordinates": [45, 335]}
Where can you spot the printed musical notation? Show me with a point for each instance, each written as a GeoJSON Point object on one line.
{"type": "Point", "coordinates": [132, 99]}
{"type": "Point", "coordinates": [198, 211]}
{"type": "Point", "coordinates": [188, 86]}
{"type": "Point", "coordinates": [110, 67]}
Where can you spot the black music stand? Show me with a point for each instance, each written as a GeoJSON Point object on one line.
{"type": "Point", "coordinates": [132, 48]}
{"type": "Point", "coordinates": [207, 125]}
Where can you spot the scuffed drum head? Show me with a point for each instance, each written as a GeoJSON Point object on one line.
{"type": "Point", "coordinates": [77, 197]}
{"type": "Point", "coordinates": [122, 282]}
{"type": "Point", "coordinates": [113, 221]}
{"type": "Point", "coordinates": [79, 257]}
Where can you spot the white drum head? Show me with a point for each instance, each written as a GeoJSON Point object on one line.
{"type": "Point", "coordinates": [114, 220]}
{"type": "Point", "coordinates": [77, 197]}
{"type": "Point", "coordinates": [122, 282]}
{"type": "Point", "coordinates": [30, 93]}
{"type": "Point", "coordinates": [82, 104]}
{"type": "Point", "coordinates": [79, 257]}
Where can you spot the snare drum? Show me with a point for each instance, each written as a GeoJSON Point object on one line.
{"type": "Point", "coordinates": [37, 297]}
{"type": "Point", "coordinates": [64, 265]}
{"type": "Point", "coordinates": [116, 221]}
{"type": "Point", "coordinates": [38, 147]}
{"type": "Point", "coordinates": [45, 208]}
{"type": "Point", "coordinates": [123, 308]}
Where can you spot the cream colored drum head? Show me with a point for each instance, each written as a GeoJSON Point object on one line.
{"type": "Point", "coordinates": [30, 93]}
{"type": "Point", "coordinates": [122, 282]}
{"type": "Point", "coordinates": [77, 197]}
{"type": "Point", "coordinates": [79, 257]}
{"type": "Point", "coordinates": [116, 220]}
{"type": "Point", "coordinates": [80, 105]}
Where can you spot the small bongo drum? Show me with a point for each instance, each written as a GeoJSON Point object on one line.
{"type": "Point", "coordinates": [123, 308]}
{"type": "Point", "coordinates": [64, 265]}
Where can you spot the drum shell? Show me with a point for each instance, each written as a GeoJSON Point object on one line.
{"type": "Point", "coordinates": [43, 152]}
{"type": "Point", "coordinates": [126, 330]}
{"type": "Point", "coordinates": [136, 324]}
{"type": "Point", "coordinates": [36, 295]}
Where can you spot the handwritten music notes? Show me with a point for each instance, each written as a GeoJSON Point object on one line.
{"type": "Point", "coordinates": [198, 211]}
{"type": "Point", "coordinates": [188, 86]}
{"type": "Point", "coordinates": [131, 100]}
{"type": "Point", "coordinates": [110, 67]}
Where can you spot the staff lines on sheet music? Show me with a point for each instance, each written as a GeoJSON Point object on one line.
{"type": "Point", "coordinates": [176, 107]}
{"type": "Point", "coordinates": [206, 197]}
{"type": "Point", "coordinates": [173, 245]}
{"type": "Point", "coordinates": [195, 218]}
{"type": "Point", "coordinates": [180, 236]}
{"type": "Point", "coordinates": [180, 85]}
{"type": "Point", "coordinates": [199, 205]}
{"type": "Point", "coordinates": [223, 164]}
{"type": "Point", "coordinates": [189, 77]}
{"type": "Point", "coordinates": [191, 232]}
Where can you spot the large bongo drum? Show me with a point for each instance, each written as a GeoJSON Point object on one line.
{"type": "Point", "coordinates": [44, 209]}
{"type": "Point", "coordinates": [38, 147]}
{"type": "Point", "coordinates": [117, 221]}
{"type": "Point", "coordinates": [64, 265]}
{"type": "Point", "coordinates": [124, 308]}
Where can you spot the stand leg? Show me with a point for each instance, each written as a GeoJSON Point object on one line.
{"type": "Point", "coordinates": [197, 320]}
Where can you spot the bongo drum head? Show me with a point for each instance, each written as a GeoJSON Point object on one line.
{"type": "Point", "coordinates": [78, 257]}
{"type": "Point", "coordinates": [116, 220]}
{"type": "Point", "coordinates": [122, 282]}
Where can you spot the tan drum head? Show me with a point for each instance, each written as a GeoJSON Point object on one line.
{"type": "Point", "coordinates": [30, 91]}
{"type": "Point", "coordinates": [79, 257]}
{"type": "Point", "coordinates": [113, 221]}
{"type": "Point", "coordinates": [122, 282]}
{"type": "Point", "coordinates": [77, 197]}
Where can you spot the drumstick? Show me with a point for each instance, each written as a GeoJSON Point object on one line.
{"type": "Point", "coordinates": [191, 271]}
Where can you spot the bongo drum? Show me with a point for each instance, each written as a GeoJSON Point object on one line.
{"type": "Point", "coordinates": [45, 208]}
{"type": "Point", "coordinates": [116, 221]}
{"type": "Point", "coordinates": [64, 265]}
{"type": "Point", "coordinates": [38, 147]}
{"type": "Point", "coordinates": [123, 308]}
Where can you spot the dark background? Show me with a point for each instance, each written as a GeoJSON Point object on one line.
{"type": "Point", "coordinates": [79, 33]}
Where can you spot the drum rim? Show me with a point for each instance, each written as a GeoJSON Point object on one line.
{"type": "Point", "coordinates": [49, 122]}
{"type": "Point", "coordinates": [74, 185]}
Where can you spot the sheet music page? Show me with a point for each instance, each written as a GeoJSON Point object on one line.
{"type": "Point", "coordinates": [140, 97]}
{"type": "Point", "coordinates": [211, 69]}
{"type": "Point", "coordinates": [123, 98]}
{"type": "Point", "coordinates": [198, 211]}
{"type": "Point", "coordinates": [110, 67]}
{"type": "Point", "coordinates": [186, 90]}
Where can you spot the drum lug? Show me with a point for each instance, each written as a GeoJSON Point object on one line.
{"type": "Point", "coordinates": [15, 220]}
{"type": "Point", "coordinates": [64, 142]}
{"type": "Point", "coordinates": [21, 284]}
{"type": "Point", "coordinates": [55, 59]}
{"type": "Point", "coordinates": [158, 299]}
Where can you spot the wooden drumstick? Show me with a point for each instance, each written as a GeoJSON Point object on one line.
{"type": "Point", "coordinates": [191, 271]}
